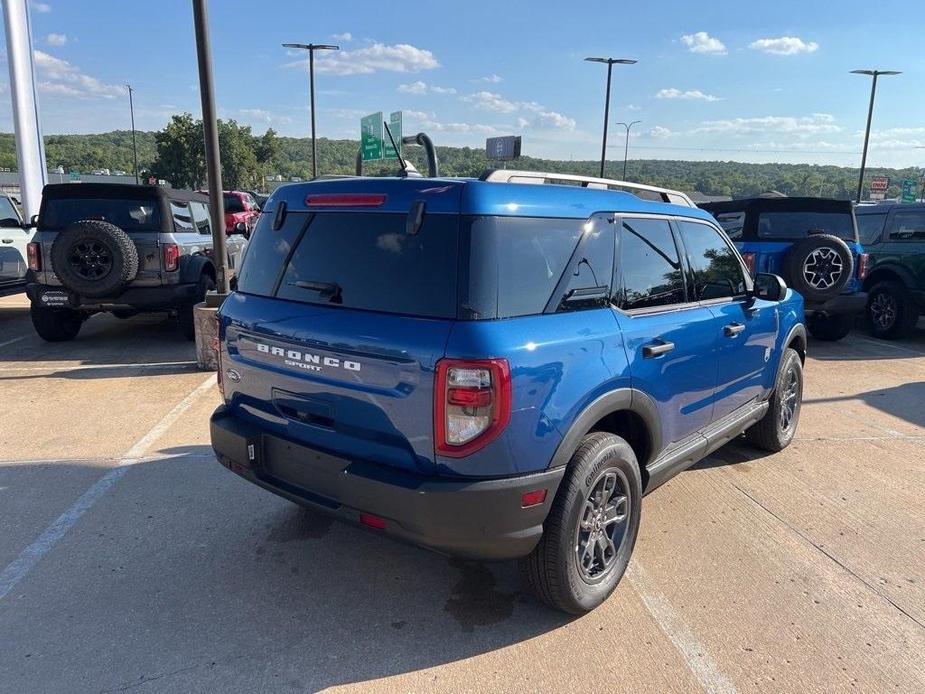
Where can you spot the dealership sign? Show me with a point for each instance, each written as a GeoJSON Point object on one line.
{"type": "Point", "coordinates": [878, 186]}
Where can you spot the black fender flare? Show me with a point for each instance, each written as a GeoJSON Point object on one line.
{"type": "Point", "coordinates": [192, 267]}
{"type": "Point", "coordinates": [621, 399]}
{"type": "Point", "coordinates": [798, 330]}
{"type": "Point", "coordinates": [901, 273]}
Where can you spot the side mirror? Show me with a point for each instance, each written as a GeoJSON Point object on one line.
{"type": "Point", "coordinates": [239, 228]}
{"type": "Point", "coordinates": [34, 221]}
{"type": "Point", "coordinates": [769, 287]}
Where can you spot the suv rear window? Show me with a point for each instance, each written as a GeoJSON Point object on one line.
{"type": "Point", "coordinates": [797, 225]}
{"type": "Point", "coordinates": [129, 215]}
{"type": "Point", "coordinates": [233, 203]}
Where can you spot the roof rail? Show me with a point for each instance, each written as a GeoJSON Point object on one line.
{"type": "Point", "coordinates": [675, 197]}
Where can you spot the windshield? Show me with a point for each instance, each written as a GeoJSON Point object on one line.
{"type": "Point", "coordinates": [8, 216]}
{"type": "Point", "coordinates": [798, 225]}
{"type": "Point", "coordinates": [130, 215]}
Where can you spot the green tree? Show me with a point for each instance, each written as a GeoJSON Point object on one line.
{"type": "Point", "coordinates": [180, 152]}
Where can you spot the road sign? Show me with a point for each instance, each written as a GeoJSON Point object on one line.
{"type": "Point", "coordinates": [74, 177]}
{"type": "Point", "coordinates": [503, 148]}
{"type": "Point", "coordinates": [910, 190]}
{"type": "Point", "coordinates": [878, 186]}
{"type": "Point", "coordinates": [371, 137]}
{"type": "Point", "coordinates": [388, 151]}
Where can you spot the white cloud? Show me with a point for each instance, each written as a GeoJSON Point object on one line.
{"type": "Point", "coordinates": [263, 116]}
{"type": "Point", "coordinates": [419, 87]}
{"type": "Point", "coordinates": [702, 42]}
{"type": "Point", "coordinates": [346, 36]}
{"type": "Point", "coordinates": [376, 57]}
{"type": "Point", "coordinates": [56, 39]}
{"type": "Point", "coordinates": [489, 101]}
{"type": "Point", "coordinates": [805, 125]}
{"type": "Point", "coordinates": [553, 120]}
{"type": "Point", "coordinates": [633, 107]}
{"type": "Point", "coordinates": [660, 132]}
{"type": "Point", "coordinates": [57, 76]}
{"type": "Point", "coordinates": [491, 79]}
{"type": "Point", "coordinates": [40, 7]}
{"type": "Point", "coordinates": [690, 95]}
{"type": "Point", "coordinates": [784, 45]}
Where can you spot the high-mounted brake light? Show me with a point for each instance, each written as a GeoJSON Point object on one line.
{"type": "Point", "coordinates": [750, 262]}
{"type": "Point", "coordinates": [34, 256]}
{"type": "Point", "coordinates": [472, 404]}
{"type": "Point", "coordinates": [345, 200]}
{"type": "Point", "coordinates": [171, 257]}
{"type": "Point", "coordinates": [863, 265]}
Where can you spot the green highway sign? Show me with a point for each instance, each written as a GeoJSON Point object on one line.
{"type": "Point", "coordinates": [74, 177]}
{"type": "Point", "coordinates": [394, 128]}
{"type": "Point", "coordinates": [910, 190]}
{"type": "Point", "coordinates": [371, 137]}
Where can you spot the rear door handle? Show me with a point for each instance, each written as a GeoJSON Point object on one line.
{"type": "Point", "coordinates": [657, 349]}
{"type": "Point", "coordinates": [733, 329]}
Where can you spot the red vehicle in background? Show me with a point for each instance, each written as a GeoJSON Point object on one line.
{"type": "Point", "coordinates": [240, 206]}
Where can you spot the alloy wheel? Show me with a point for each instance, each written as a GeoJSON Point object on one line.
{"type": "Point", "coordinates": [883, 311]}
{"type": "Point", "coordinates": [789, 401]}
{"type": "Point", "coordinates": [91, 260]}
{"type": "Point", "coordinates": [823, 268]}
{"type": "Point", "coordinates": [602, 526]}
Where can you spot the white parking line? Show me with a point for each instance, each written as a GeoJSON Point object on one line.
{"type": "Point", "coordinates": [88, 367]}
{"type": "Point", "coordinates": [698, 660]}
{"type": "Point", "coordinates": [14, 340]}
{"type": "Point", "coordinates": [31, 555]}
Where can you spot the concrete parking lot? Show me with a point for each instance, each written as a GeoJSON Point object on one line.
{"type": "Point", "coordinates": [130, 560]}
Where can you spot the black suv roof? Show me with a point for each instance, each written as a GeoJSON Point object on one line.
{"type": "Point", "coordinates": [778, 205]}
{"type": "Point", "coordinates": [120, 190]}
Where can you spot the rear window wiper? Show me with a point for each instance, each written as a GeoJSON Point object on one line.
{"type": "Point", "coordinates": [330, 289]}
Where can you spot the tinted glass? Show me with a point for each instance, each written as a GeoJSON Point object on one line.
{"type": "Point", "coordinates": [233, 204]}
{"type": "Point", "coordinates": [798, 225]}
{"type": "Point", "coordinates": [129, 215]}
{"type": "Point", "coordinates": [7, 211]}
{"type": "Point", "coordinates": [515, 264]}
{"type": "Point", "coordinates": [717, 272]}
{"type": "Point", "coordinates": [732, 223]}
{"type": "Point", "coordinates": [649, 265]}
{"type": "Point", "coordinates": [368, 261]}
{"type": "Point", "coordinates": [593, 267]}
{"type": "Point", "coordinates": [267, 252]}
{"type": "Point", "coordinates": [200, 214]}
{"type": "Point", "coordinates": [870, 227]}
{"type": "Point", "coordinates": [908, 226]}
{"type": "Point", "coordinates": [182, 221]}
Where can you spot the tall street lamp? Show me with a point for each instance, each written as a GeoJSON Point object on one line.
{"type": "Point", "coordinates": [610, 63]}
{"type": "Point", "coordinates": [870, 114]}
{"type": "Point", "coordinates": [311, 48]}
{"type": "Point", "coordinates": [626, 148]}
{"type": "Point", "coordinates": [131, 108]}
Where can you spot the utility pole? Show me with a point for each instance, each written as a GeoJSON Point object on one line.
{"type": "Point", "coordinates": [131, 108]}
{"type": "Point", "coordinates": [626, 148]}
{"type": "Point", "coordinates": [610, 63]}
{"type": "Point", "coordinates": [870, 115]}
{"type": "Point", "coordinates": [311, 48]}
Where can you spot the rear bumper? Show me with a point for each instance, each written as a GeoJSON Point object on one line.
{"type": "Point", "coordinates": [144, 298]}
{"type": "Point", "coordinates": [841, 304]}
{"type": "Point", "coordinates": [478, 519]}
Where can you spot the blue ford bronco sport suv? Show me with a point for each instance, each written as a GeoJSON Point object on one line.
{"type": "Point", "coordinates": [497, 370]}
{"type": "Point", "coordinates": [813, 244]}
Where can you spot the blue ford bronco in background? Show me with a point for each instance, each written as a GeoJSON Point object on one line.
{"type": "Point", "coordinates": [813, 244]}
{"type": "Point", "coordinates": [496, 369]}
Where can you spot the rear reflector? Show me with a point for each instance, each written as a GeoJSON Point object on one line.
{"type": "Point", "coordinates": [533, 498]}
{"type": "Point", "coordinates": [372, 521]}
{"type": "Point", "coordinates": [345, 200]}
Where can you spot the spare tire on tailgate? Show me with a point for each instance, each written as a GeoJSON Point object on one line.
{"type": "Point", "coordinates": [819, 267]}
{"type": "Point", "coordinates": [94, 258]}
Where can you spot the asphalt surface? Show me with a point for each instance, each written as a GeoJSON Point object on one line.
{"type": "Point", "coordinates": [130, 560]}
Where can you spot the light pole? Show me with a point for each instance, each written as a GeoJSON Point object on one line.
{"type": "Point", "coordinates": [311, 48]}
{"type": "Point", "coordinates": [626, 148]}
{"type": "Point", "coordinates": [870, 114]}
{"type": "Point", "coordinates": [610, 63]}
{"type": "Point", "coordinates": [131, 108]}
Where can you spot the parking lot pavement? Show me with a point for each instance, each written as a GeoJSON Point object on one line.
{"type": "Point", "coordinates": [130, 560]}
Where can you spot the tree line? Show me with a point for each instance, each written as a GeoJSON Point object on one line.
{"type": "Point", "coordinates": [177, 155]}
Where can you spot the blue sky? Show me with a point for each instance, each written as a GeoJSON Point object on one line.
{"type": "Point", "coordinates": [715, 80]}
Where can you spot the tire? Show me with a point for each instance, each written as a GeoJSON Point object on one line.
{"type": "Point", "coordinates": [185, 317]}
{"type": "Point", "coordinates": [552, 570]}
{"type": "Point", "coordinates": [94, 258]}
{"type": "Point", "coordinates": [776, 429]}
{"type": "Point", "coordinates": [56, 324]}
{"type": "Point", "coordinates": [830, 328]}
{"type": "Point", "coordinates": [891, 311]}
{"type": "Point", "coordinates": [819, 267]}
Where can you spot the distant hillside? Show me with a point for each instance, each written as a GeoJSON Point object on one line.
{"type": "Point", "coordinates": [113, 150]}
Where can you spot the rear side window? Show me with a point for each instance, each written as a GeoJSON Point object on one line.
{"type": "Point", "coordinates": [732, 223]}
{"type": "Point", "coordinates": [130, 215]}
{"type": "Point", "coordinates": [369, 261]}
{"type": "Point", "coordinates": [649, 267]}
{"type": "Point", "coordinates": [798, 225]}
{"type": "Point", "coordinates": [870, 227]}
{"type": "Point", "coordinates": [717, 272]}
{"type": "Point", "coordinates": [908, 226]}
{"type": "Point", "coordinates": [200, 214]}
{"type": "Point", "coordinates": [182, 221]}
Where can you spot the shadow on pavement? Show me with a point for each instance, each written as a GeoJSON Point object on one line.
{"type": "Point", "coordinates": [904, 401]}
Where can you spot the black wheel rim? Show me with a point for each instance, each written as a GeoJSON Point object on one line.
{"type": "Point", "coordinates": [90, 260]}
{"type": "Point", "coordinates": [883, 311]}
{"type": "Point", "coordinates": [789, 400]}
{"type": "Point", "coordinates": [823, 268]}
{"type": "Point", "coordinates": [602, 524]}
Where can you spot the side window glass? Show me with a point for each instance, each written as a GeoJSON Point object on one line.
{"type": "Point", "coordinates": [650, 267]}
{"type": "Point", "coordinates": [717, 272]}
{"type": "Point", "coordinates": [182, 222]}
{"type": "Point", "coordinates": [200, 213]}
{"type": "Point", "coordinates": [588, 284]}
{"type": "Point", "coordinates": [732, 223]}
{"type": "Point", "coordinates": [908, 226]}
{"type": "Point", "coordinates": [870, 228]}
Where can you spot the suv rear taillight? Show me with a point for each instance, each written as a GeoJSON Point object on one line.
{"type": "Point", "coordinates": [751, 260]}
{"type": "Point", "coordinates": [34, 256]}
{"type": "Point", "coordinates": [863, 265]}
{"type": "Point", "coordinates": [472, 404]}
{"type": "Point", "coordinates": [171, 257]}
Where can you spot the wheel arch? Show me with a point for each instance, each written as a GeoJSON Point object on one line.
{"type": "Point", "coordinates": [887, 273]}
{"type": "Point", "coordinates": [195, 266]}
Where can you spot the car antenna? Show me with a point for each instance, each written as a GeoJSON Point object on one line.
{"type": "Point", "coordinates": [388, 131]}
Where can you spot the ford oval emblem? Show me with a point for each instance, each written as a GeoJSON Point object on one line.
{"type": "Point", "coordinates": [233, 376]}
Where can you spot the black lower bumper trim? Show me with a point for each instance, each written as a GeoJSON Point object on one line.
{"type": "Point", "coordinates": [479, 519]}
{"type": "Point", "coordinates": [841, 304]}
{"type": "Point", "coordinates": [141, 298]}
